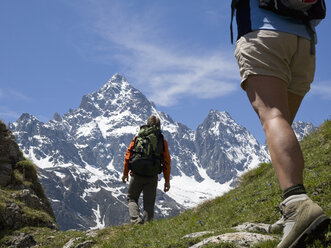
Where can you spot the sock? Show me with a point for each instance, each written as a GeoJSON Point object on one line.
{"type": "Point", "coordinates": [294, 190]}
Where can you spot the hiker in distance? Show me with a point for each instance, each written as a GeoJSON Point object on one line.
{"type": "Point", "coordinates": [144, 158]}
{"type": "Point", "coordinates": [275, 51]}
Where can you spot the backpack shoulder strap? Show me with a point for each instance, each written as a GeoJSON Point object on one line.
{"type": "Point", "coordinates": [233, 7]}
{"type": "Point", "coordinates": [162, 139]}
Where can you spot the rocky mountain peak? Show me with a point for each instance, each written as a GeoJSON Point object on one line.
{"type": "Point", "coordinates": [28, 118]}
{"type": "Point", "coordinates": [301, 129]}
{"type": "Point", "coordinates": [57, 117]}
{"type": "Point", "coordinates": [220, 114]}
{"type": "Point", "coordinates": [221, 125]}
{"type": "Point", "coordinates": [218, 118]}
{"type": "Point", "coordinates": [116, 98]}
{"type": "Point", "coordinates": [28, 123]}
{"type": "Point", "coordinates": [80, 156]}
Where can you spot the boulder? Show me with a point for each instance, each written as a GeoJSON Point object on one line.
{"type": "Point", "coordinates": [23, 240]}
{"type": "Point", "coordinates": [240, 239]}
{"type": "Point", "coordinates": [30, 199]}
{"type": "Point", "coordinates": [5, 174]}
{"type": "Point", "coordinates": [13, 216]}
{"type": "Point", "coordinates": [9, 150]}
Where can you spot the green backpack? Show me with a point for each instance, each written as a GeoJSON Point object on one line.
{"type": "Point", "coordinates": [146, 156]}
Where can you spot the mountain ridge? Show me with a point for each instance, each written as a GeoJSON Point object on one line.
{"type": "Point", "coordinates": [80, 156]}
{"type": "Point", "coordinates": [236, 219]}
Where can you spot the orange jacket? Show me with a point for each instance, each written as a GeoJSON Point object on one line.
{"type": "Point", "coordinates": [165, 161]}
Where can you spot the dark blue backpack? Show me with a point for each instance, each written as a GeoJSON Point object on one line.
{"type": "Point", "coordinates": [305, 10]}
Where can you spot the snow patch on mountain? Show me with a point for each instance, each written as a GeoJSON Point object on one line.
{"type": "Point", "coordinates": [100, 222]}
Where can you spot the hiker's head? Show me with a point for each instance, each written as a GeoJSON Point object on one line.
{"type": "Point", "coordinates": [154, 121]}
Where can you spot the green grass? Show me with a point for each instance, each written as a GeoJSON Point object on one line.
{"type": "Point", "coordinates": [254, 200]}
{"type": "Point", "coordinates": [29, 215]}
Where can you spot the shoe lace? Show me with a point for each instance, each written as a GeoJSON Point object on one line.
{"type": "Point", "coordinates": [277, 211]}
{"type": "Point", "coordinates": [281, 211]}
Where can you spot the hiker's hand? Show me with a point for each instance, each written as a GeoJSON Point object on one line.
{"type": "Point", "coordinates": [166, 186]}
{"type": "Point", "coordinates": [125, 178]}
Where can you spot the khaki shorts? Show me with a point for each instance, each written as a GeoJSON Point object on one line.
{"type": "Point", "coordinates": [282, 55]}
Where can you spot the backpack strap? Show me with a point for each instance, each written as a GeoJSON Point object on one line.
{"type": "Point", "coordinates": [133, 148]}
{"type": "Point", "coordinates": [312, 35]}
{"type": "Point", "coordinates": [233, 7]}
{"type": "Point", "coordinates": [316, 11]}
{"type": "Point", "coordinates": [162, 138]}
{"type": "Point", "coordinates": [163, 148]}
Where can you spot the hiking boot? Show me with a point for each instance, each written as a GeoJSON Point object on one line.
{"type": "Point", "coordinates": [277, 227]}
{"type": "Point", "coordinates": [304, 221]}
{"type": "Point", "coordinates": [137, 221]}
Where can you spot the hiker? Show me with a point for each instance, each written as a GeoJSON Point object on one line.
{"type": "Point", "coordinates": [143, 158]}
{"type": "Point", "coordinates": [275, 52]}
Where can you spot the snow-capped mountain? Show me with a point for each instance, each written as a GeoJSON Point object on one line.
{"type": "Point", "coordinates": [80, 156]}
{"type": "Point", "coordinates": [302, 129]}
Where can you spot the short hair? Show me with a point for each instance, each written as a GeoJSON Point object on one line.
{"type": "Point", "coordinates": [154, 121]}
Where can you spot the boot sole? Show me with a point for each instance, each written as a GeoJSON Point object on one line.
{"type": "Point", "coordinates": [314, 231]}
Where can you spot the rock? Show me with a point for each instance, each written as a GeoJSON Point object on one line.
{"type": "Point", "coordinates": [5, 174]}
{"type": "Point", "coordinates": [71, 243]}
{"type": "Point", "coordinates": [30, 199]}
{"type": "Point", "coordinates": [240, 239]}
{"type": "Point", "coordinates": [91, 233]}
{"type": "Point", "coordinates": [85, 244]}
{"type": "Point", "coordinates": [197, 234]}
{"type": "Point", "coordinates": [13, 215]}
{"type": "Point", "coordinates": [24, 240]}
{"type": "Point", "coordinates": [253, 227]}
{"type": "Point", "coordinates": [14, 195]}
{"type": "Point", "coordinates": [244, 238]}
{"type": "Point", "coordinates": [20, 175]}
{"type": "Point", "coordinates": [9, 150]}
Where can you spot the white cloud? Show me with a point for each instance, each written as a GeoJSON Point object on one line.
{"type": "Point", "coordinates": [8, 99]}
{"type": "Point", "coordinates": [13, 95]}
{"type": "Point", "coordinates": [164, 68]}
{"type": "Point", "coordinates": [323, 89]}
{"type": "Point", "coordinates": [16, 95]}
{"type": "Point", "coordinates": [7, 114]}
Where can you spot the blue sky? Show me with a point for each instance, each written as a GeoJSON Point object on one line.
{"type": "Point", "coordinates": [178, 53]}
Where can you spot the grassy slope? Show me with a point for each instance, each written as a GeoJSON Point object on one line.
{"type": "Point", "coordinates": [253, 201]}
{"type": "Point", "coordinates": [25, 175]}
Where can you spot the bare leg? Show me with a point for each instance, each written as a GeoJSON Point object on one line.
{"type": "Point", "coordinates": [270, 99]}
{"type": "Point", "coordinates": [294, 102]}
